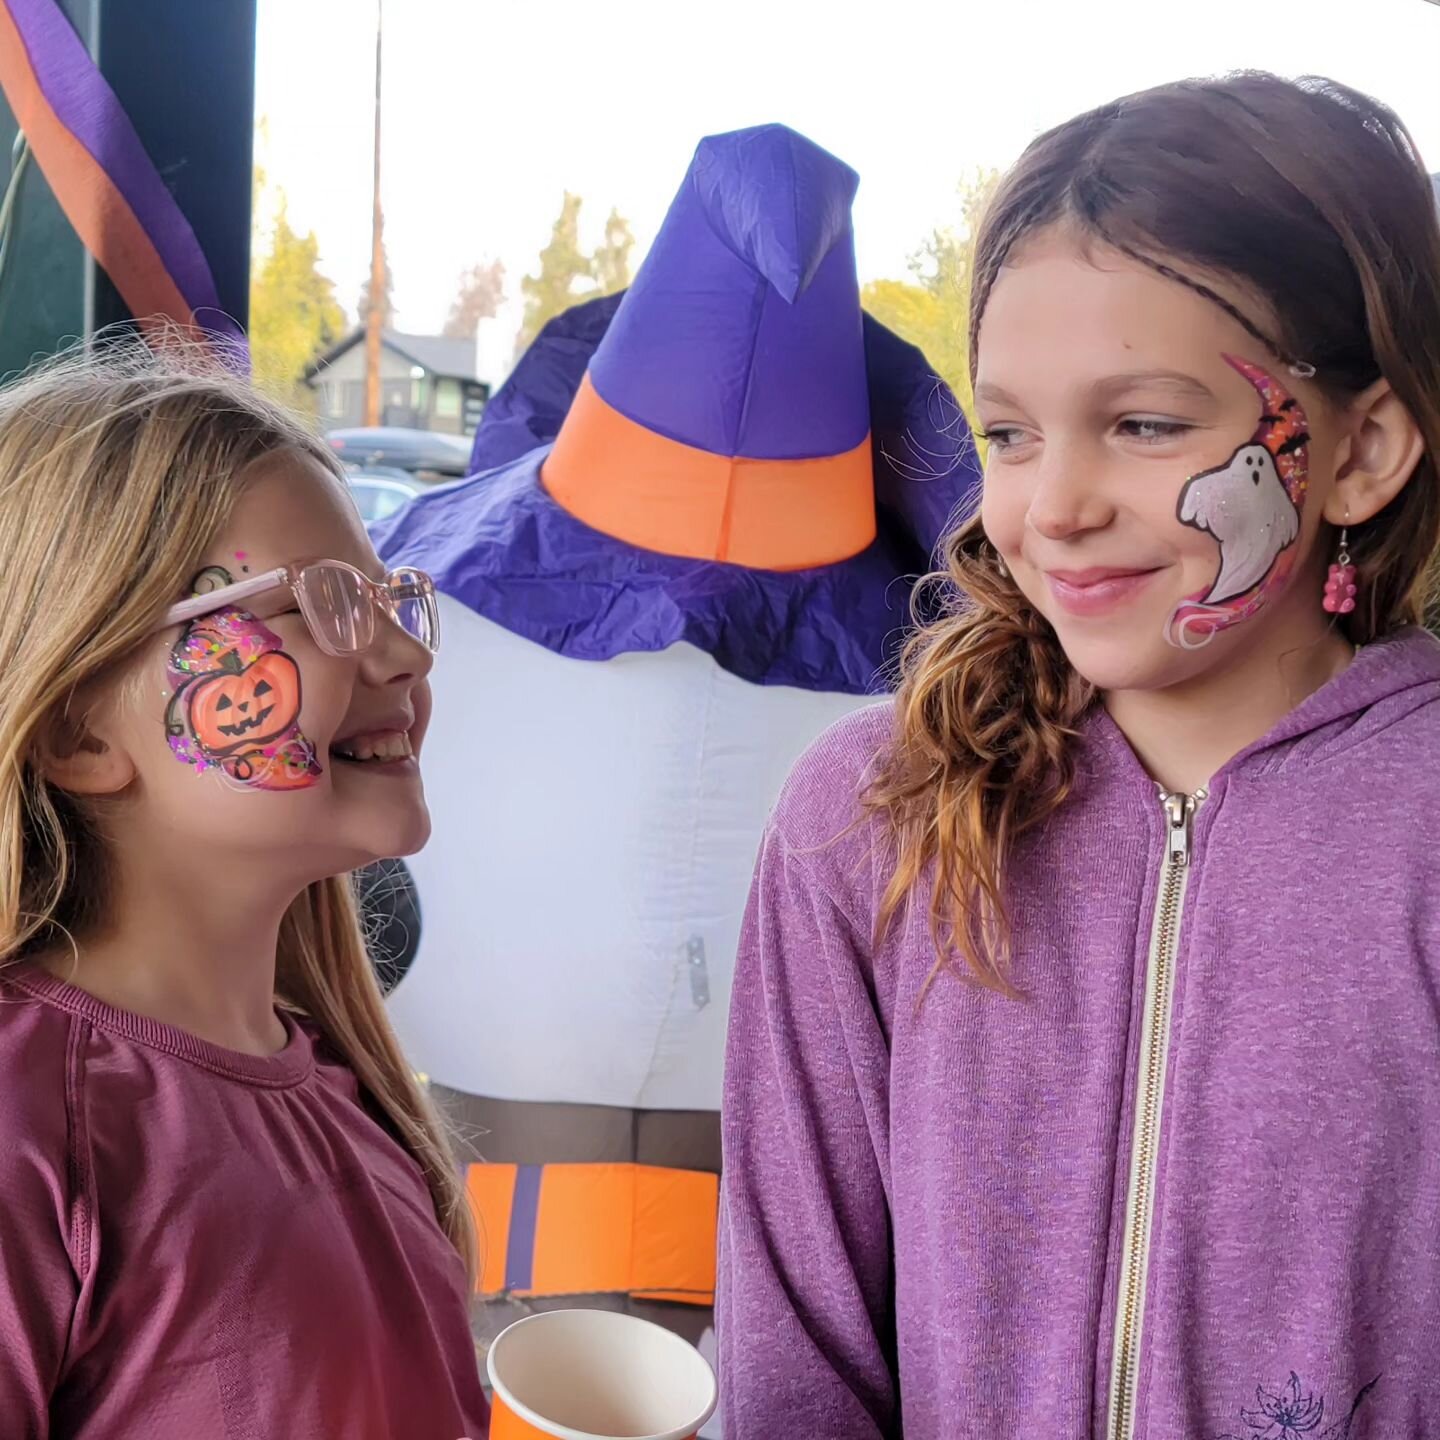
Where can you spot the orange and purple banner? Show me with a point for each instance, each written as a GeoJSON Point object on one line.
{"type": "Point", "coordinates": [102, 177]}
{"type": "Point", "coordinates": [596, 1229]}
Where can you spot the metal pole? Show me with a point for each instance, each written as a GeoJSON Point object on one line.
{"type": "Point", "coordinates": [374, 320]}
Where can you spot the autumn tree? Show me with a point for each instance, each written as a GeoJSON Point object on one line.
{"type": "Point", "coordinates": [387, 295]}
{"type": "Point", "coordinates": [478, 297]}
{"type": "Point", "coordinates": [567, 275]}
{"type": "Point", "coordinates": [294, 315]}
{"type": "Point", "coordinates": [610, 264]}
{"type": "Point", "coordinates": [562, 264]}
{"type": "Point", "coordinates": [932, 310]}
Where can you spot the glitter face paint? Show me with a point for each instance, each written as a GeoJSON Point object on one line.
{"type": "Point", "coordinates": [235, 700]}
{"type": "Point", "coordinates": [1251, 505]}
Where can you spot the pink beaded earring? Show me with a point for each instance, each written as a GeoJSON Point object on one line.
{"type": "Point", "coordinates": [1340, 586]}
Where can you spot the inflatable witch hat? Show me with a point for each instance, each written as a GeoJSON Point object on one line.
{"type": "Point", "coordinates": [728, 454]}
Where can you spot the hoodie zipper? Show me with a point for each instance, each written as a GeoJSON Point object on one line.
{"type": "Point", "coordinates": [1149, 1095]}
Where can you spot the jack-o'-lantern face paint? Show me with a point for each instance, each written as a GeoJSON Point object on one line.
{"type": "Point", "coordinates": [235, 700]}
{"type": "Point", "coordinates": [1251, 505]}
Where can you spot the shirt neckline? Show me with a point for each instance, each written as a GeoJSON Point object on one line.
{"type": "Point", "coordinates": [288, 1066]}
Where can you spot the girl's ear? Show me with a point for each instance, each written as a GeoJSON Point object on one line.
{"type": "Point", "coordinates": [1385, 446]}
{"type": "Point", "coordinates": [77, 752]}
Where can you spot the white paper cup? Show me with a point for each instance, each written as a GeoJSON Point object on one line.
{"type": "Point", "coordinates": [596, 1375]}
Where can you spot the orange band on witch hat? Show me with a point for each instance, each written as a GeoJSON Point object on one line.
{"type": "Point", "coordinates": [661, 494]}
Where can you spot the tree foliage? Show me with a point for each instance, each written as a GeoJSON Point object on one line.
{"type": "Point", "coordinates": [566, 275]}
{"type": "Point", "coordinates": [294, 315]}
{"type": "Point", "coordinates": [932, 310]}
{"type": "Point", "coordinates": [387, 295]}
{"type": "Point", "coordinates": [610, 264]}
{"type": "Point", "coordinates": [478, 297]}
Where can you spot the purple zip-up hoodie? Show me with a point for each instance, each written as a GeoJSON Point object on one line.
{"type": "Point", "coordinates": [1188, 1187]}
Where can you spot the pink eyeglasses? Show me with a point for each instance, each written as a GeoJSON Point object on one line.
{"type": "Point", "coordinates": [337, 601]}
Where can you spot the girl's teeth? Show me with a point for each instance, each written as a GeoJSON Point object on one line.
{"type": "Point", "coordinates": [382, 748]}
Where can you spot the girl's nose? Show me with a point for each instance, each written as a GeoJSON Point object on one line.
{"type": "Point", "coordinates": [1069, 496]}
{"type": "Point", "coordinates": [395, 657]}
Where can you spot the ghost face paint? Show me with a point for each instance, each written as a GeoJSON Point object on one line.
{"type": "Point", "coordinates": [1118, 428]}
{"type": "Point", "coordinates": [1251, 506]}
{"type": "Point", "coordinates": [235, 702]}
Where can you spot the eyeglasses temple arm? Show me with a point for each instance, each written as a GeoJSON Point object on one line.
{"type": "Point", "coordinates": [212, 600]}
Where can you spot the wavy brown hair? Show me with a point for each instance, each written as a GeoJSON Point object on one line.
{"type": "Point", "coordinates": [1305, 194]}
{"type": "Point", "coordinates": [116, 475]}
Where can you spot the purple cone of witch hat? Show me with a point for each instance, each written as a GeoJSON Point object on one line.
{"type": "Point", "coordinates": [741, 333]}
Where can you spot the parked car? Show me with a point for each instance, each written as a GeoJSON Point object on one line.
{"type": "Point", "coordinates": [381, 490]}
{"type": "Point", "coordinates": [420, 452]}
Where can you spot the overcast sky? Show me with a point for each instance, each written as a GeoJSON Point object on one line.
{"type": "Point", "coordinates": [493, 110]}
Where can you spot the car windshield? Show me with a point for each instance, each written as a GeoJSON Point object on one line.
{"type": "Point", "coordinates": [377, 499]}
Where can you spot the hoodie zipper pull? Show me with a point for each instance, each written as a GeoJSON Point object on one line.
{"type": "Point", "coordinates": [1179, 810]}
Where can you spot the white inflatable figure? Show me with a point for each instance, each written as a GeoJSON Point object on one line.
{"type": "Point", "coordinates": [594, 824]}
{"type": "Point", "coordinates": [687, 550]}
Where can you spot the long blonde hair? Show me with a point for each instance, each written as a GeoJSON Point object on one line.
{"type": "Point", "coordinates": [1309, 194]}
{"type": "Point", "coordinates": [116, 475]}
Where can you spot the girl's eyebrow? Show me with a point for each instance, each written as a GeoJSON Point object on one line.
{"type": "Point", "coordinates": [1111, 387]}
{"type": "Point", "coordinates": [1177, 382]}
{"type": "Point", "coordinates": [997, 394]}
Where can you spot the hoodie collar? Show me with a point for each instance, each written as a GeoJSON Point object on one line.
{"type": "Point", "coordinates": [1386, 680]}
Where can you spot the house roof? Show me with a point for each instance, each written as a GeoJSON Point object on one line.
{"type": "Point", "coordinates": [438, 354]}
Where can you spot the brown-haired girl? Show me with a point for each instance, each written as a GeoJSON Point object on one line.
{"type": "Point", "coordinates": [1084, 1074]}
